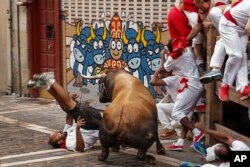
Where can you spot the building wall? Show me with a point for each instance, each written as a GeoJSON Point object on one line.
{"type": "Point", "coordinates": [146, 11]}
{"type": "Point", "coordinates": [5, 69]}
{"type": "Point", "coordinates": [137, 18]}
{"type": "Point", "coordinates": [14, 48]}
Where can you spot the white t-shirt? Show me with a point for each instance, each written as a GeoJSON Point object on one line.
{"type": "Point", "coordinates": [239, 146]}
{"type": "Point", "coordinates": [90, 137]}
{"type": "Point", "coordinates": [172, 86]}
{"type": "Point", "coordinates": [184, 67]}
{"type": "Point", "coordinates": [241, 12]}
{"type": "Point", "coordinates": [236, 146]}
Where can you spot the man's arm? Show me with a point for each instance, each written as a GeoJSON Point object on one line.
{"type": "Point", "coordinates": [221, 136]}
{"type": "Point", "coordinates": [79, 138]}
{"type": "Point", "coordinates": [247, 28]}
{"type": "Point", "coordinates": [69, 119]}
{"type": "Point", "coordinates": [155, 79]}
{"type": "Point", "coordinates": [195, 30]}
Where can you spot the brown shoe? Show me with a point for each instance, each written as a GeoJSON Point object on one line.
{"type": "Point", "coordinates": [166, 133]}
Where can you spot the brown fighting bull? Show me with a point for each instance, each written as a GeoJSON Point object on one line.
{"type": "Point", "coordinates": [131, 117]}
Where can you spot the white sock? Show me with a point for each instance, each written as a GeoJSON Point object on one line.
{"type": "Point", "coordinates": [50, 82]}
{"type": "Point", "coordinates": [196, 131]}
{"type": "Point", "coordinates": [216, 69]}
{"type": "Point", "coordinates": [198, 62]}
{"type": "Point", "coordinates": [180, 142]}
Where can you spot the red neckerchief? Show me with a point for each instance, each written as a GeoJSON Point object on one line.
{"type": "Point", "coordinates": [63, 145]}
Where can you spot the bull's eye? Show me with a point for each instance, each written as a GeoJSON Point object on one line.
{"type": "Point", "coordinates": [100, 44]}
{"type": "Point", "coordinates": [157, 50]}
{"type": "Point", "coordinates": [83, 46]}
{"type": "Point", "coordinates": [119, 45]}
{"type": "Point", "coordinates": [136, 48]}
{"type": "Point", "coordinates": [95, 45]}
{"type": "Point", "coordinates": [113, 45]}
{"type": "Point", "coordinates": [130, 48]}
{"type": "Point", "coordinates": [150, 52]}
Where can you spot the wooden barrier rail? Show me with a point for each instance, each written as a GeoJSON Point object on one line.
{"type": "Point", "coordinates": [214, 107]}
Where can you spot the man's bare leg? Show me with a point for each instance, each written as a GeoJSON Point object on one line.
{"type": "Point", "coordinates": [46, 81]}
{"type": "Point", "coordinates": [63, 98]}
{"type": "Point", "coordinates": [186, 123]}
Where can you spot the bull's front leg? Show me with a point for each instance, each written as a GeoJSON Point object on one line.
{"type": "Point", "coordinates": [104, 155]}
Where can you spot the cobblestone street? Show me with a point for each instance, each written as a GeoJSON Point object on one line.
{"type": "Point", "coordinates": [25, 124]}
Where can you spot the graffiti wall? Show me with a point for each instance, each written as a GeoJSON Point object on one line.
{"type": "Point", "coordinates": [115, 43]}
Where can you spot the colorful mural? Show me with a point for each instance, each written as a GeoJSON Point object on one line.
{"type": "Point", "coordinates": [115, 44]}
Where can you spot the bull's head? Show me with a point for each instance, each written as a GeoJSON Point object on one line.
{"type": "Point", "coordinates": [106, 84]}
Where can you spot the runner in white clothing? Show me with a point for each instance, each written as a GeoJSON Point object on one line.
{"type": "Point", "coordinates": [73, 137]}
{"type": "Point", "coordinates": [182, 64]}
{"type": "Point", "coordinates": [220, 151]}
{"type": "Point", "coordinates": [211, 10]}
{"type": "Point", "coordinates": [86, 117]}
{"type": "Point", "coordinates": [234, 28]}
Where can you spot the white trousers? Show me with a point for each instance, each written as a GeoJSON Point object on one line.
{"type": "Point", "coordinates": [186, 101]}
{"type": "Point", "coordinates": [214, 15]}
{"type": "Point", "coordinates": [165, 117]}
{"type": "Point", "coordinates": [235, 41]}
{"type": "Point", "coordinates": [219, 54]}
{"type": "Point", "coordinates": [164, 114]}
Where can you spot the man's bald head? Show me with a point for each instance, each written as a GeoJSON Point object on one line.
{"type": "Point", "coordinates": [223, 152]}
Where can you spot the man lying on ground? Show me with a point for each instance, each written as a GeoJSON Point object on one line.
{"type": "Point", "coordinates": [78, 137]}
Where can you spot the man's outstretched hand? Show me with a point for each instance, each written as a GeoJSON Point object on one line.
{"type": "Point", "coordinates": [80, 122]}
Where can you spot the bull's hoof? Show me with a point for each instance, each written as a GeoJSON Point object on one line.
{"type": "Point", "coordinates": [101, 158]}
{"type": "Point", "coordinates": [161, 151]}
{"type": "Point", "coordinates": [150, 159]}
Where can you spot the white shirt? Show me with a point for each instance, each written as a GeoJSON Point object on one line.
{"type": "Point", "coordinates": [241, 12]}
{"type": "Point", "coordinates": [236, 146]}
{"type": "Point", "coordinates": [184, 67]}
{"type": "Point", "coordinates": [172, 86]}
{"type": "Point", "coordinates": [90, 137]}
{"type": "Point", "coordinates": [239, 146]}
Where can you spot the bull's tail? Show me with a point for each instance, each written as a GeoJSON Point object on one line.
{"type": "Point", "coordinates": [105, 129]}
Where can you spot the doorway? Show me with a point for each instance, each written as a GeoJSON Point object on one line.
{"type": "Point", "coordinates": [45, 40]}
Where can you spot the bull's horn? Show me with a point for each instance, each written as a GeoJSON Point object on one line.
{"type": "Point", "coordinates": [92, 32]}
{"type": "Point", "coordinates": [142, 38]}
{"type": "Point", "coordinates": [158, 35]}
{"type": "Point", "coordinates": [124, 38]}
{"type": "Point", "coordinates": [104, 36]}
{"type": "Point", "coordinates": [98, 76]}
{"type": "Point", "coordinates": [78, 28]}
{"type": "Point", "coordinates": [138, 33]}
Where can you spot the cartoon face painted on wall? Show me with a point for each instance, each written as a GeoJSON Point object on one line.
{"type": "Point", "coordinates": [116, 44]}
{"type": "Point", "coordinates": [116, 48]}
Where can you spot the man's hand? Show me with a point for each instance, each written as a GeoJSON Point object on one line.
{"type": "Point", "coordinates": [80, 122]}
{"type": "Point", "coordinates": [74, 96]}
